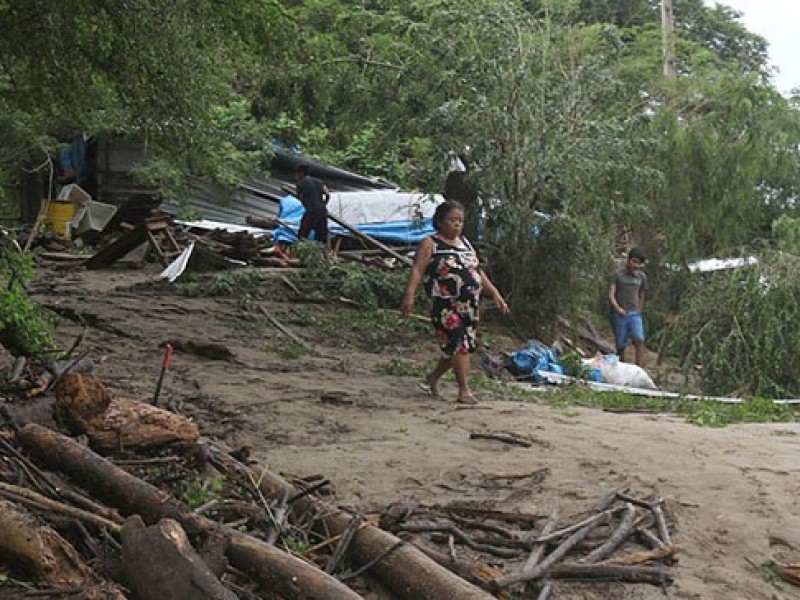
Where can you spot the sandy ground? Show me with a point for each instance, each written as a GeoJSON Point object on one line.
{"type": "Point", "coordinates": [731, 494]}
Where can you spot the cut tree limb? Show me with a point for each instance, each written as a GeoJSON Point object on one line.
{"type": "Point", "coordinates": [500, 437]}
{"type": "Point", "coordinates": [279, 326]}
{"type": "Point", "coordinates": [640, 558]}
{"type": "Point", "coordinates": [603, 572]}
{"type": "Point", "coordinates": [625, 528]}
{"type": "Point", "coordinates": [25, 496]}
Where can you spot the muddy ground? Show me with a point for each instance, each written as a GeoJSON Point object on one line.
{"type": "Point", "coordinates": [732, 493]}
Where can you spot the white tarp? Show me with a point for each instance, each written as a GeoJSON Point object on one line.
{"type": "Point", "coordinates": [382, 206]}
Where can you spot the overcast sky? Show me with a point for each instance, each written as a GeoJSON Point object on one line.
{"type": "Point", "coordinates": [776, 21]}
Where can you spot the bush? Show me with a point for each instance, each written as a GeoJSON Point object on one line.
{"type": "Point", "coordinates": [23, 327]}
{"type": "Point", "coordinates": [739, 328]}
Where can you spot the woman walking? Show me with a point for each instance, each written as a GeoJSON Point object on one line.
{"type": "Point", "coordinates": [449, 265]}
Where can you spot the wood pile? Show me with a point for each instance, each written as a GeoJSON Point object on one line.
{"type": "Point", "coordinates": [621, 539]}
{"type": "Point", "coordinates": [95, 490]}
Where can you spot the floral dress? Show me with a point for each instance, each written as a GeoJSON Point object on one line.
{"type": "Point", "coordinates": [454, 287]}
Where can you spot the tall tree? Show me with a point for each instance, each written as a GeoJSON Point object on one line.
{"type": "Point", "coordinates": [159, 69]}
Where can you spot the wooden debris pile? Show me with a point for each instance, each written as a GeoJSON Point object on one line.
{"type": "Point", "coordinates": [95, 490]}
{"type": "Point", "coordinates": [622, 539]}
{"type": "Point", "coordinates": [89, 516]}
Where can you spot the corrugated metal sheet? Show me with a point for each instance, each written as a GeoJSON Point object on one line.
{"type": "Point", "coordinates": [254, 196]}
{"type": "Point", "coordinates": [218, 203]}
{"type": "Point", "coordinates": [117, 156]}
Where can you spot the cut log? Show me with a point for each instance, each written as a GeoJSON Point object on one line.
{"type": "Point", "coordinates": [80, 399]}
{"type": "Point", "coordinates": [135, 424]}
{"type": "Point", "coordinates": [84, 406]}
{"type": "Point", "coordinates": [41, 553]}
{"type": "Point", "coordinates": [181, 573]}
{"type": "Point", "coordinates": [406, 571]}
{"type": "Point", "coordinates": [134, 496]}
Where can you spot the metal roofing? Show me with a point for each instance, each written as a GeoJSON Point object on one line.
{"type": "Point", "coordinates": [261, 196]}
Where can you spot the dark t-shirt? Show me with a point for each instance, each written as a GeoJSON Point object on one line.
{"type": "Point", "coordinates": [311, 192]}
{"type": "Point", "coordinates": [628, 288]}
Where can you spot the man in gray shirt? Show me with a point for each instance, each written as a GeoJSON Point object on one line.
{"type": "Point", "coordinates": [626, 295]}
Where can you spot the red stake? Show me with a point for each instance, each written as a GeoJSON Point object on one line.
{"type": "Point", "coordinates": [164, 366]}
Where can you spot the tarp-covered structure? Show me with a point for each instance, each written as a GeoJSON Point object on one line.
{"type": "Point", "coordinates": [374, 206]}
{"type": "Point", "coordinates": [390, 216]}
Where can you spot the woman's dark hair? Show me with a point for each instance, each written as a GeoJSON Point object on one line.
{"type": "Point", "coordinates": [444, 209]}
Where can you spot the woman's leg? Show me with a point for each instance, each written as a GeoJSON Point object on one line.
{"type": "Point", "coordinates": [461, 369]}
{"type": "Point", "coordinates": [443, 366]}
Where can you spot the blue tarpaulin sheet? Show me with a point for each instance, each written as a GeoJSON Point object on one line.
{"type": "Point", "coordinates": [394, 232]}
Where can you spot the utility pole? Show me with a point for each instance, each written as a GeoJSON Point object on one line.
{"type": "Point", "coordinates": [668, 38]}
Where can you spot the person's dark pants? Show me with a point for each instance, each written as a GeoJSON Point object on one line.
{"type": "Point", "coordinates": [316, 222]}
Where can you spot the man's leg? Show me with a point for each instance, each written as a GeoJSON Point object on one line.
{"type": "Point", "coordinates": [620, 328]}
{"type": "Point", "coordinates": [637, 333]}
{"type": "Point", "coordinates": [305, 226]}
{"type": "Point", "coordinates": [639, 346]}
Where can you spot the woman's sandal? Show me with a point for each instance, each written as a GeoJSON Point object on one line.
{"type": "Point", "coordinates": [469, 399]}
{"type": "Point", "coordinates": [426, 388]}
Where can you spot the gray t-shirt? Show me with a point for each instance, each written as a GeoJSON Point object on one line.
{"type": "Point", "coordinates": [628, 287]}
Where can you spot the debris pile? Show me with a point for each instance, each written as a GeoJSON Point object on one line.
{"type": "Point", "coordinates": [95, 489]}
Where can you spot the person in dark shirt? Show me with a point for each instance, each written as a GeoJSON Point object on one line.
{"type": "Point", "coordinates": [626, 295]}
{"type": "Point", "coordinates": [315, 196]}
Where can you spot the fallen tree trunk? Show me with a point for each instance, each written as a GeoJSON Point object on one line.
{"type": "Point", "coordinates": [406, 571]}
{"type": "Point", "coordinates": [166, 544]}
{"type": "Point", "coordinates": [43, 554]}
{"type": "Point", "coordinates": [293, 578]}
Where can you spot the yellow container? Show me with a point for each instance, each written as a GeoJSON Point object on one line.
{"type": "Point", "coordinates": [58, 215]}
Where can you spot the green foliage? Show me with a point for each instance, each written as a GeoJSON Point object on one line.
{"type": "Point", "coordinates": [574, 366]}
{"type": "Point", "coordinates": [375, 329]}
{"type": "Point", "coordinates": [295, 545]}
{"type": "Point", "coordinates": [292, 351]}
{"type": "Point", "coordinates": [735, 327]}
{"type": "Point", "coordinates": [23, 327]}
{"type": "Point", "coordinates": [176, 74]}
{"type": "Point", "coordinates": [786, 234]}
{"type": "Point", "coordinates": [705, 413]}
{"type": "Point", "coordinates": [222, 283]}
{"type": "Point", "coordinates": [369, 286]}
{"type": "Point", "coordinates": [197, 491]}
{"type": "Point", "coordinates": [400, 367]}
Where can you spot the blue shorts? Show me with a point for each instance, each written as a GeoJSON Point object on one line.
{"type": "Point", "coordinates": [627, 325]}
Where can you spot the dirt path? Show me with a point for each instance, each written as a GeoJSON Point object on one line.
{"type": "Point", "coordinates": [733, 493]}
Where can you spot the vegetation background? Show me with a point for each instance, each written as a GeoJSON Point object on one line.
{"type": "Point", "coordinates": [558, 107]}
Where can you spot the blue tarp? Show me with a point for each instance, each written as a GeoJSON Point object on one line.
{"type": "Point", "coordinates": [536, 358]}
{"type": "Point", "coordinates": [394, 232]}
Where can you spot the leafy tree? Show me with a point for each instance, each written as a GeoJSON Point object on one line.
{"type": "Point", "coordinates": [161, 70]}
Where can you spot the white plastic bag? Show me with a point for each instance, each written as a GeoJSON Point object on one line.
{"type": "Point", "coordinates": [613, 371]}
